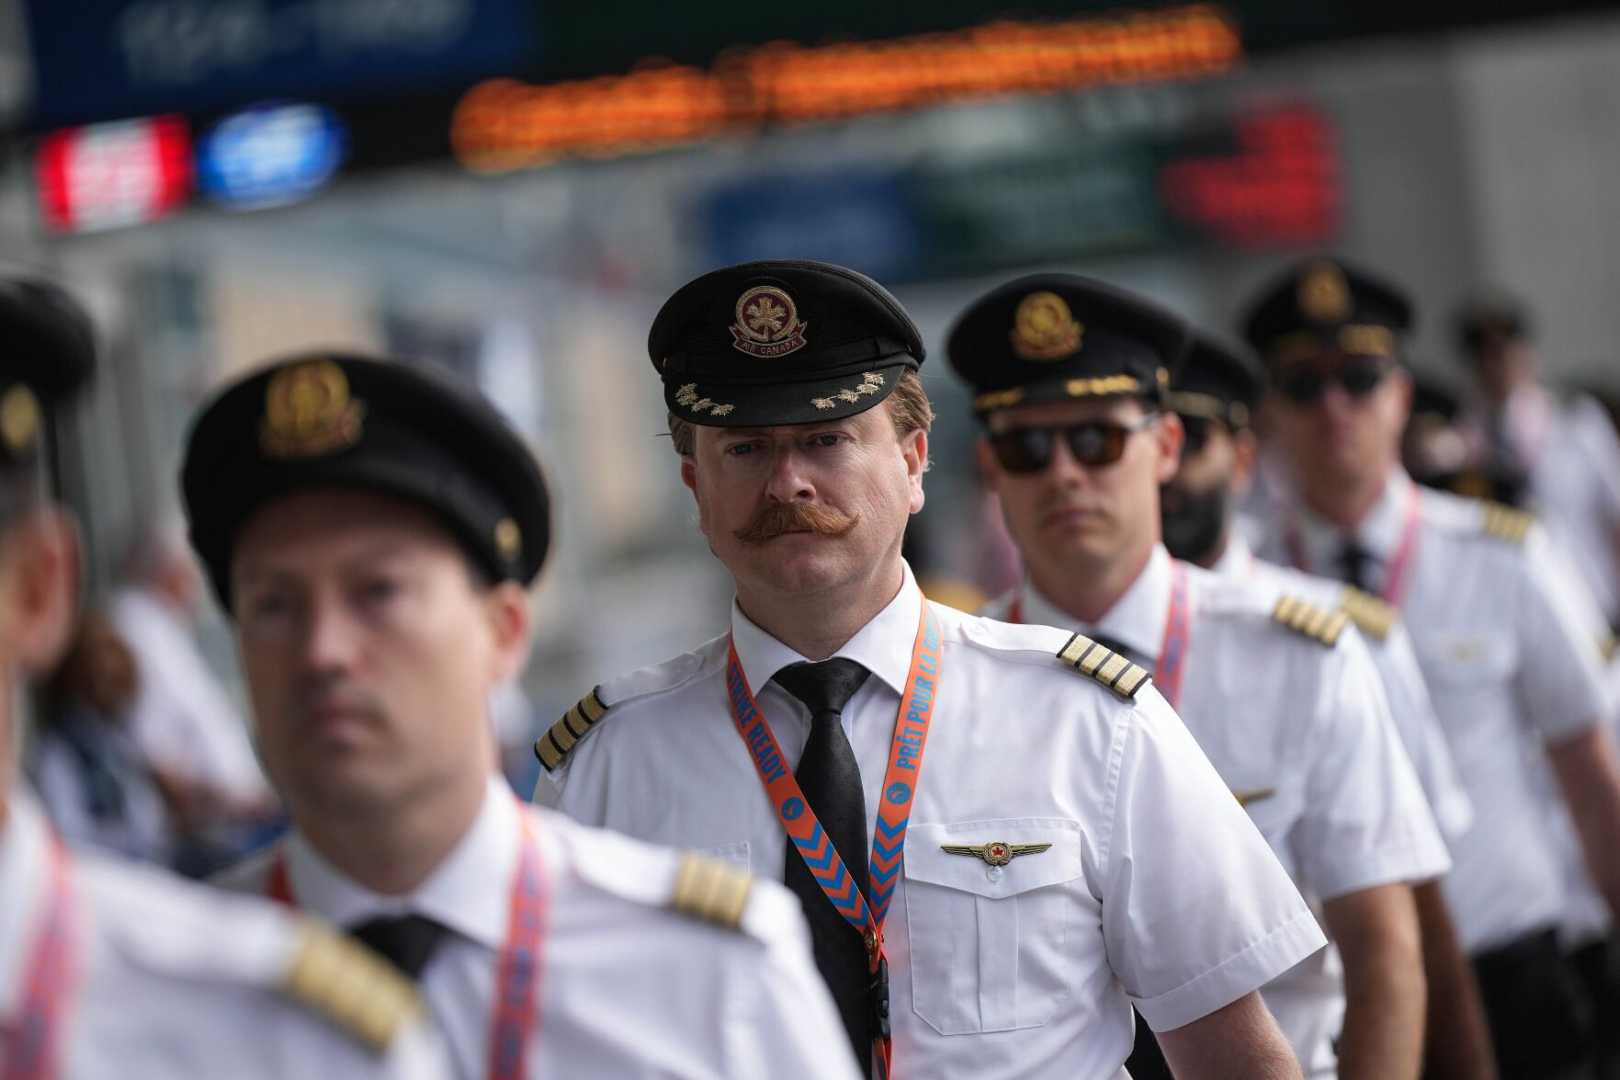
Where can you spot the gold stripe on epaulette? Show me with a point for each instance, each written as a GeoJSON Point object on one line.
{"type": "Point", "coordinates": [1316, 623]}
{"type": "Point", "coordinates": [552, 748]}
{"type": "Point", "coordinates": [1609, 646]}
{"type": "Point", "coordinates": [1506, 523]}
{"type": "Point", "coordinates": [1372, 616]}
{"type": "Point", "coordinates": [710, 890]}
{"type": "Point", "coordinates": [1104, 665]}
{"type": "Point", "coordinates": [354, 989]}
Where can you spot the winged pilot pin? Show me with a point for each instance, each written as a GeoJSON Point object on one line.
{"type": "Point", "coordinates": [996, 853]}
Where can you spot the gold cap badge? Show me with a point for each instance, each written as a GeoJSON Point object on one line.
{"type": "Point", "coordinates": [1324, 295]}
{"type": "Point", "coordinates": [19, 419]}
{"type": "Point", "coordinates": [508, 538]}
{"type": "Point", "coordinates": [308, 412]}
{"type": "Point", "coordinates": [767, 323]}
{"type": "Point", "coordinates": [1044, 328]}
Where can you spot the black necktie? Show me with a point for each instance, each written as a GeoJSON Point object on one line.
{"type": "Point", "coordinates": [831, 781]}
{"type": "Point", "coordinates": [406, 941]}
{"type": "Point", "coordinates": [1123, 649]}
{"type": "Point", "coordinates": [1357, 564]}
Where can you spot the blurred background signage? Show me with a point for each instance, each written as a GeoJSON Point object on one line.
{"type": "Point", "coordinates": [1266, 179]}
{"type": "Point", "coordinates": [101, 59]}
{"type": "Point", "coordinates": [110, 175]}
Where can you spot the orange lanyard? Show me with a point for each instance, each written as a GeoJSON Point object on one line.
{"type": "Point", "coordinates": [515, 1015]}
{"type": "Point", "coordinates": [900, 780]}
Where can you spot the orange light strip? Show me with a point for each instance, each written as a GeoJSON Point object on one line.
{"type": "Point", "coordinates": [503, 124]}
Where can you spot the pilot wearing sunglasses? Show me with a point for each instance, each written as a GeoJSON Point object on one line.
{"type": "Point", "coordinates": [1069, 377]}
{"type": "Point", "coordinates": [1513, 672]}
{"type": "Point", "coordinates": [1216, 391]}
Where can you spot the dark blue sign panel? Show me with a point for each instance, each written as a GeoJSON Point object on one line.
{"type": "Point", "coordinates": [104, 59]}
{"type": "Point", "coordinates": [862, 219]}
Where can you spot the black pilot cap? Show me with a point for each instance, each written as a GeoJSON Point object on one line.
{"type": "Point", "coordinates": [780, 342]}
{"type": "Point", "coordinates": [337, 420]}
{"type": "Point", "coordinates": [1053, 337]}
{"type": "Point", "coordinates": [47, 355]}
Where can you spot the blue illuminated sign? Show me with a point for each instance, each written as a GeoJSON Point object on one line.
{"type": "Point", "coordinates": [270, 155]}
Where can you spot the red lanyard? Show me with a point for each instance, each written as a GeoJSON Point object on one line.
{"type": "Point", "coordinates": [1395, 580]}
{"type": "Point", "coordinates": [517, 975]}
{"type": "Point", "coordinates": [31, 1049]}
{"type": "Point", "coordinates": [1172, 662]}
{"type": "Point", "coordinates": [1172, 659]}
{"type": "Point", "coordinates": [900, 781]}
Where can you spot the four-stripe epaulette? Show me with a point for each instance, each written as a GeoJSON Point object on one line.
{"type": "Point", "coordinates": [1319, 624]}
{"type": "Point", "coordinates": [711, 890]}
{"type": "Point", "coordinates": [1372, 616]}
{"type": "Point", "coordinates": [355, 990]}
{"type": "Point", "coordinates": [1104, 665]}
{"type": "Point", "coordinates": [1506, 523]}
{"type": "Point", "coordinates": [553, 747]}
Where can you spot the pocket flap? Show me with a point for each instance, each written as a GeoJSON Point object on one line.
{"type": "Point", "coordinates": [976, 847]}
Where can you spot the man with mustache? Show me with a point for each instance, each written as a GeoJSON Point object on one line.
{"type": "Point", "coordinates": [1215, 393]}
{"type": "Point", "coordinates": [1001, 835]}
{"type": "Point", "coordinates": [1281, 696]}
{"type": "Point", "coordinates": [1511, 663]}
{"type": "Point", "coordinates": [109, 968]}
{"type": "Point", "coordinates": [371, 529]}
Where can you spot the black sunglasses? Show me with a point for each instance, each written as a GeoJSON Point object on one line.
{"type": "Point", "coordinates": [1091, 442]}
{"type": "Point", "coordinates": [1358, 375]}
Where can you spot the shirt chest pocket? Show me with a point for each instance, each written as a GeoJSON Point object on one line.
{"type": "Point", "coordinates": [992, 908]}
{"type": "Point", "coordinates": [1465, 662]}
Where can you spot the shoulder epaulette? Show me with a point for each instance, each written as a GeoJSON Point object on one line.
{"type": "Point", "coordinates": [1104, 665]}
{"type": "Point", "coordinates": [711, 890]}
{"type": "Point", "coordinates": [1506, 523]}
{"type": "Point", "coordinates": [1372, 616]}
{"type": "Point", "coordinates": [1319, 624]}
{"type": "Point", "coordinates": [358, 992]}
{"type": "Point", "coordinates": [553, 747]}
{"type": "Point", "coordinates": [1609, 646]}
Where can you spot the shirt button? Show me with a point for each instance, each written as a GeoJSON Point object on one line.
{"type": "Point", "coordinates": [994, 873]}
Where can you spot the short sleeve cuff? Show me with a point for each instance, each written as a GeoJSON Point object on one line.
{"type": "Point", "coordinates": [1241, 974]}
{"type": "Point", "coordinates": [1416, 861]}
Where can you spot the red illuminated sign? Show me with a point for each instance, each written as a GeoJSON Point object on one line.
{"type": "Point", "coordinates": [1278, 186]}
{"type": "Point", "coordinates": [110, 175]}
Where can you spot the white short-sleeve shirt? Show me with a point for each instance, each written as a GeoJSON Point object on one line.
{"type": "Point", "coordinates": [173, 979]}
{"type": "Point", "coordinates": [1156, 889]}
{"type": "Point", "coordinates": [1396, 659]}
{"type": "Point", "coordinates": [628, 986]}
{"type": "Point", "coordinates": [1301, 733]}
{"type": "Point", "coordinates": [1510, 666]}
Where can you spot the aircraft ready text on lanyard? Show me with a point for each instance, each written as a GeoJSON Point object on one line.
{"type": "Point", "coordinates": [31, 1049]}
{"type": "Point", "coordinates": [1395, 581]}
{"type": "Point", "coordinates": [865, 914]}
{"type": "Point", "coordinates": [517, 975]}
{"type": "Point", "coordinates": [1172, 659]}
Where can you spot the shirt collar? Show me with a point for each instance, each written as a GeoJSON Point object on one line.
{"type": "Point", "coordinates": [24, 877]}
{"type": "Point", "coordinates": [883, 646]}
{"type": "Point", "coordinates": [1237, 560]}
{"type": "Point", "coordinates": [1379, 531]}
{"type": "Point", "coordinates": [468, 892]}
{"type": "Point", "coordinates": [1137, 618]}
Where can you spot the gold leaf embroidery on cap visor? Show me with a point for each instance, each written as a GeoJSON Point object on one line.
{"type": "Point", "coordinates": [871, 383]}
{"type": "Point", "coordinates": [686, 397]}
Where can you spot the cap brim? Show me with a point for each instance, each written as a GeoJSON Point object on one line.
{"type": "Point", "coordinates": [717, 403]}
